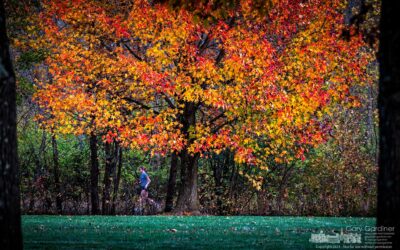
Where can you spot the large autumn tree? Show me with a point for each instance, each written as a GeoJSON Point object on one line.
{"type": "Point", "coordinates": [170, 81]}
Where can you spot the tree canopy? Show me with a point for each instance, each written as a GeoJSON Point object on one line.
{"type": "Point", "coordinates": [166, 80]}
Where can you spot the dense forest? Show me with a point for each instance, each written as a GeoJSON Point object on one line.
{"type": "Point", "coordinates": [228, 118]}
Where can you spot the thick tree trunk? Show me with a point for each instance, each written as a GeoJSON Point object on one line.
{"type": "Point", "coordinates": [188, 200]}
{"type": "Point", "coordinates": [10, 218]}
{"type": "Point", "coordinates": [94, 175]}
{"type": "Point", "coordinates": [56, 175]}
{"type": "Point", "coordinates": [169, 200]}
{"type": "Point", "coordinates": [117, 178]}
{"type": "Point", "coordinates": [389, 114]}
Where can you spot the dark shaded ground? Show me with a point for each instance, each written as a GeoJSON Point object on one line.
{"type": "Point", "coordinates": [176, 232]}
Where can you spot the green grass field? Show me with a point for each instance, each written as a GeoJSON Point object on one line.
{"type": "Point", "coordinates": [176, 232]}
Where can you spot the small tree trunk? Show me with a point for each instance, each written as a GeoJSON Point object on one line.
{"type": "Point", "coordinates": [56, 175]}
{"type": "Point", "coordinates": [117, 178]}
{"type": "Point", "coordinates": [188, 199]}
{"type": "Point", "coordinates": [38, 170]}
{"type": "Point", "coordinates": [169, 200]}
{"type": "Point", "coordinates": [389, 120]}
{"type": "Point", "coordinates": [217, 173]}
{"type": "Point", "coordinates": [10, 217]}
{"type": "Point", "coordinates": [94, 175]}
{"type": "Point", "coordinates": [109, 166]}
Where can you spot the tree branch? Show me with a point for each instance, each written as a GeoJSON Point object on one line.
{"type": "Point", "coordinates": [168, 100]}
{"type": "Point", "coordinates": [132, 52]}
{"type": "Point", "coordinates": [217, 117]}
{"type": "Point", "coordinates": [221, 54]}
{"type": "Point", "coordinates": [140, 104]}
{"type": "Point", "coordinates": [216, 129]}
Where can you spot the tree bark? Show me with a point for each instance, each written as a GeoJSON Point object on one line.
{"type": "Point", "coordinates": [56, 175]}
{"type": "Point", "coordinates": [188, 200]}
{"type": "Point", "coordinates": [10, 217]}
{"type": "Point", "coordinates": [169, 200]}
{"type": "Point", "coordinates": [94, 175]}
{"type": "Point", "coordinates": [389, 114]}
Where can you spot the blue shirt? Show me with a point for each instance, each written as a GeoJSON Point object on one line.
{"type": "Point", "coordinates": [143, 179]}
